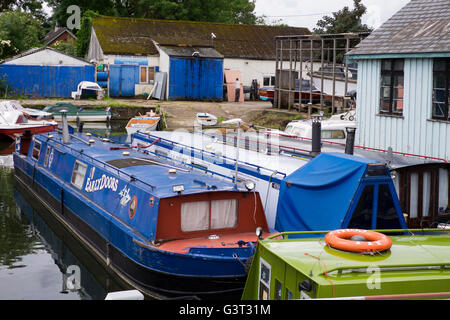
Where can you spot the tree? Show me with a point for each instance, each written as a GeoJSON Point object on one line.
{"type": "Point", "coordinates": [33, 7]}
{"type": "Point", "coordinates": [84, 34]}
{"type": "Point", "coordinates": [229, 11]}
{"type": "Point", "coordinates": [19, 31]}
{"type": "Point", "coordinates": [60, 15]}
{"type": "Point", "coordinates": [344, 21]}
{"type": "Point", "coordinates": [66, 47]}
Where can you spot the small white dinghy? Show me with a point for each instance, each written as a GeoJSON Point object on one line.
{"type": "Point", "coordinates": [147, 122]}
{"type": "Point", "coordinates": [206, 119]}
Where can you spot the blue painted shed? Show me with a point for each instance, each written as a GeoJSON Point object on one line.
{"type": "Point", "coordinates": [45, 72]}
{"type": "Point", "coordinates": [124, 75]}
{"type": "Point", "coordinates": [122, 79]}
{"type": "Point", "coordinates": [194, 73]}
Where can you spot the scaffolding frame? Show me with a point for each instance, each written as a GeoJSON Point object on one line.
{"type": "Point", "coordinates": [325, 49]}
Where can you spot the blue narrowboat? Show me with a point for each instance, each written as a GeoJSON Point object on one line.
{"type": "Point", "coordinates": [164, 229]}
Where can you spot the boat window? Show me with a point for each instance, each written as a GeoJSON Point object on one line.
{"type": "Point", "coordinates": [195, 216]}
{"type": "Point", "coordinates": [224, 213]}
{"type": "Point", "coordinates": [333, 134]}
{"type": "Point", "coordinates": [159, 152]}
{"type": "Point", "coordinates": [36, 150]}
{"type": "Point", "coordinates": [266, 81]}
{"type": "Point", "coordinates": [374, 170]}
{"type": "Point", "coordinates": [289, 129]}
{"type": "Point", "coordinates": [362, 216]}
{"type": "Point", "coordinates": [289, 295]}
{"type": "Point", "coordinates": [264, 280]}
{"type": "Point", "coordinates": [278, 288]}
{"type": "Point", "coordinates": [204, 215]}
{"type": "Point", "coordinates": [387, 216]}
{"type": "Point", "coordinates": [46, 156]}
{"type": "Point", "coordinates": [444, 191]}
{"type": "Point", "coordinates": [78, 174]}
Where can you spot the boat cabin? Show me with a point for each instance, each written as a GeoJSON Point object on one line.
{"type": "Point", "coordinates": [161, 201]}
{"type": "Point", "coordinates": [335, 191]}
{"type": "Point", "coordinates": [333, 129]}
{"type": "Point", "coordinates": [415, 266]}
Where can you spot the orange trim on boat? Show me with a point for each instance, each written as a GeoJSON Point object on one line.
{"type": "Point", "coordinates": [374, 241]}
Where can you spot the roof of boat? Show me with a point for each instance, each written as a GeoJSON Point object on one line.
{"type": "Point", "coordinates": [313, 257]}
{"type": "Point", "coordinates": [150, 170]}
{"type": "Point", "coordinates": [326, 124]}
{"type": "Point", "coordinates": [260, 161]}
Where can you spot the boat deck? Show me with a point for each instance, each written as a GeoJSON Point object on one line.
{"type": "Point", "coordinates": [212, 241]}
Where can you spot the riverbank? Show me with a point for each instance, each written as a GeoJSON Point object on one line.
{"type": "Point", "coordinates": [182, 114]}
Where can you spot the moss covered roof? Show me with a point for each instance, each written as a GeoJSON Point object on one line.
{"type": "Point", "coordinates": [129, 36]}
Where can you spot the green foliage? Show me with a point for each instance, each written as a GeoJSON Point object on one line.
{"type": "Point", "coordinates": [60, 15]}
{"type": "Point", "coordinates": [344, 20]}
{"type": "Point", "coordinates": [84, 34]}
{"type": "Point", "coordinates": [19, 31]}
{"type": "Point", "coordinates": [33, 7]}
{"type": "Point", "coordinates": [229, 11]}
{"type": "Point", "coordinates": [66, 47]}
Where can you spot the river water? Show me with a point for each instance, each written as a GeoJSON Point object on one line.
{"type": "Point", "coordinates": [39, 259]}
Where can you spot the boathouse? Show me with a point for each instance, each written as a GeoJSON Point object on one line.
{"type": "Point", "coordinates": [403, 103]}
{"type": "Point", "coordinates": [45, 72]}
{"type": "Point", "coordinates": [194, 55]}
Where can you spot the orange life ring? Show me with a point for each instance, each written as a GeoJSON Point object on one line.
{"type": "Point", "coordinates": [375, 241]}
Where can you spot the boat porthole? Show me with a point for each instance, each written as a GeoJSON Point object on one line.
{"type": "Point", "coordinates": [132, 207]}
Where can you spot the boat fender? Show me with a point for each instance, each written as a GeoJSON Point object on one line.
{"type": "Point", "coordinates": [373, 241]}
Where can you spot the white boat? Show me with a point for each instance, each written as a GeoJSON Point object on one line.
{"type": "Point", "coordinates": [88, 88]}
{"type": "Point", "coordinates": [207, 152]}
{"type": "Point", "coordinates": [143, 123]}
{"type": "Point", "coordinates": [13, 122]}
{"type": "Point", "coordinates": [30, 113]}
{"type": "Point", "coordinates": [327, 78]}
{"type": "Point", "coordinates": [332, 129]}
{"type": "Point", "coordinates": [206, 119]}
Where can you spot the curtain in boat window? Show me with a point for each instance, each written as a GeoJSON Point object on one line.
{"type": "Point", "coordinates": [195, 216]}
{"type": "Point", "coordinates": [444, 185]}
{"type": "Point", "coordinates": [223, 213]}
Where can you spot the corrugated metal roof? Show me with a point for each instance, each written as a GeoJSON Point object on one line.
{"type": "Point", "coordinates": [130, 36]}
{"type": "Point", "coordinates": [191, 51]}
{"type": "Point", "coordinates": [36, 50]}
{"type": "Point", "coordinates": [422, 26]}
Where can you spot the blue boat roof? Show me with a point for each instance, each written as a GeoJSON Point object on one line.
{"type": "Point", "coordinates": [151, 171]}
{"type": "Point", "coordinates": [325, 188]}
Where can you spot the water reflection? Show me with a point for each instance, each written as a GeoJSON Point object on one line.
{"type": "Point", "coordinates": [39, 258]}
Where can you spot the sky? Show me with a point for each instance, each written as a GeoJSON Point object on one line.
{"type": "Point", "coordinates": [306, 13]}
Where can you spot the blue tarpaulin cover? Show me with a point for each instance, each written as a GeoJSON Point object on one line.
{"type": "Point", "coordinates": [317, 196]}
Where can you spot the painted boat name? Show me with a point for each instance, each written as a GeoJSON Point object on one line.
{"type": "Point", "coordinates": [104, 182]}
